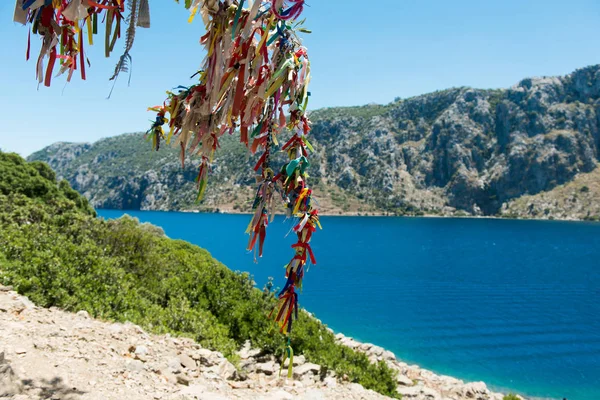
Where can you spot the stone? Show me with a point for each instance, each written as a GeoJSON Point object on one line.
{"type": "Point", "coordinates": [314, 394]}
{"type": "Point", "coordinates": [20, 350]}
{"type": "Point", "coordinates": [404, 380]}
{"type": "Point", "coordinates": [409, 392]}
{"type": "Point", "coordinates": [388, 356]}
{"type": "Point", "coordinates": [248, 365]}
{"type": "Point", "coordinates": [187, 362]}
{"type": "Point", "coordinates": [203, 356]}
{"type": "Point", "coordinates": [168, 375]}
{"type": "Point", "coordinates": [182, 380]}
{"type": "Point", "coordinates": [475, 390]}
{"type": "Point", "coordinates": [227, 370]}
{"type": "Point", "coordinates": [134, 365]}
{"type": "Point", "coordinates": [419, 393]}
{"type": "Point", "coordinates": [10, 385]}
{"type": "Point", "coordinates": [356, 387]}
{"type": "Point", "coordinates": [280, 395]}
{"type": "Point", "coordinates": [83, 314]}
{"type": "Point", "coordinates": [141, 350]}
{"type": "Point", "coordinates": [330, 382]}
{"type": "Point", "coordinates": [366, 347]}
{"type": "Point", "coordinates": [267, 368]}
{"type": "Point", "coordinates": [376, 350]}
{"type": "Point", "coordinates": [350, 343]}
{"type": "Point", "coordinates": [298, 360]}
{"type": "Point", "coordinates": [174, 364]}
{"type": "Point", "coordinates": [306, 369]}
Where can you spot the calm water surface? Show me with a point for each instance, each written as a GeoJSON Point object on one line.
{"type": "Point", "coordinates": [513, 303]}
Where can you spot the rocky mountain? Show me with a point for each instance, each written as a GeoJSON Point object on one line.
{"type": "Point", "coordinates": [460, 151]}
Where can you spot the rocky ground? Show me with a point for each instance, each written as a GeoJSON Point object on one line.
{"type": "Point", "coordinates": [52, 354]}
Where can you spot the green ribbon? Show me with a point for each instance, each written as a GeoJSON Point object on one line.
{"type": "Point", "coordinates": [288, 353]}
{"type": "Point", "coordinates": [238, 13]}
{"type": "Point", "coordinates": [293, 165]}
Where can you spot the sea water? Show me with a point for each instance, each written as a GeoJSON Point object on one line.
{"type": "Point", "coordinates": [515, 304]}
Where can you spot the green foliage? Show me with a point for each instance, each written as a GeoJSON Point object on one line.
{"type": "Point", "coordinates": [511, 396]}
{"type": "Point", "coordinates": [54, 250]}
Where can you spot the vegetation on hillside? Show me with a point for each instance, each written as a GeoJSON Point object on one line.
{"type": "Point", "coordinates": [54, 250]}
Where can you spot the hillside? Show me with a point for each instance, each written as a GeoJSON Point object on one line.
{"type": "Point", "coordinates": [458, 151]}
{"type": "Point", "coordinates": [54, 250]}
{"type": "Point", "coordinates": [52, 354]}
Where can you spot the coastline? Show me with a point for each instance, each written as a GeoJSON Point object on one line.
{"type": "Point", "coordinates": [368, 214]}
{"type": "Point", "coordinates": [417, 383]}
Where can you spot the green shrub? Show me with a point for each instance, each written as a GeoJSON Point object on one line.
{"type": "Point", "coordinates": [510, 396]}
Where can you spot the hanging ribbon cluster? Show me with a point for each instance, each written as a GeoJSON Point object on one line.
{"type": "Point", "coordinates": [61, 25]}
{"type": "Point", "coordinates": [254, 80]}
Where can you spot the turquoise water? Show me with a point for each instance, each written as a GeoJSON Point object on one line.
{"type": "Point", "coordinates": [512, 303]}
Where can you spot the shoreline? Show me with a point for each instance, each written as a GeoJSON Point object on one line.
{"type": "Point", "coordinates": [361, 214]}
{"type": "Point", "coordinates": [416, 383]}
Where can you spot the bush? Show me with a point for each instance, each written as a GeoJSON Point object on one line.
{"type": "Point", "coordinates": [511, 396]}
{"type": "Point", "coordinates": [54, 250]}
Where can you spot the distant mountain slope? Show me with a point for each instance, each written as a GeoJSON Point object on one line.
{"type": "Point", "coordinates": [460, 150]}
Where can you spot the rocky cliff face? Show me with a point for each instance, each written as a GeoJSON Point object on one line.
{"type": "Point", "coordinates": [462, 150]}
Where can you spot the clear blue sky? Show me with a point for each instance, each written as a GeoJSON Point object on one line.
{"type": "Point", "coordinates": [361, 52]}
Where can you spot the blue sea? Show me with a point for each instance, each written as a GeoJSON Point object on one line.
{"type": "Point", "coordinates": [515, 304]}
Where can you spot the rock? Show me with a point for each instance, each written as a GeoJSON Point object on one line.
{"type": "Point", "coordinates": [404, 380]}
{"type": "Point", "coordinates": [267, 368]}
{"type": "Point", "coordinates": [409, 392]}
{"type": "Point", "coordinates": [227, 370]}
{"type": "Point", "coordinates": [247, 352]}
{"type": "Point", "coordinates": [356, 387]}
{"type": "Point", "coordinates": [248, 365]}
{"type": "Point", "coordinates": [174, 364]}
{"type": "Point", "coordinates": [308, 368]}
{"type": "Point", "coordinates": [298, 360]}
{"type": "Point", "coordinates": [183, 380]}
{"type": "Point", "coordinates": [376, 350]}
{"type": "Point", "coordinates": [204, 357]}
{"type": "Point", "coordinates": [350, 343]}
{"type": "Point", "coordinates": [365, 347]}
{"type": "Point", "coordinates": [330, 382]}
{"type": "Point", "coordinates": [240, 375]}
{"type": "Point", "coordinates": [20, 350]}
{"type": "Point", "coordinates": [475, 390]}
{"type": "Point", "coordinates": [168, 375]}
{"type": "Point", "coordinates": [141, 350]}
{"type": "Point", "coordinates": [134, 365]}
{"type": "Point", "coordinates": [388, 355]}
{"type": "Point", "coordinates": [280, 395]}
{"type": "Point", "coordinates": [83, 314]}
{"type": "Point", "coordinates": [10, 385]}
{"type": "Point", "coordinates": [187, 362]}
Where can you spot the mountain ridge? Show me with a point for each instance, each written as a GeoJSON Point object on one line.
{"type": "Point", "coordinates": [459, 151]}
